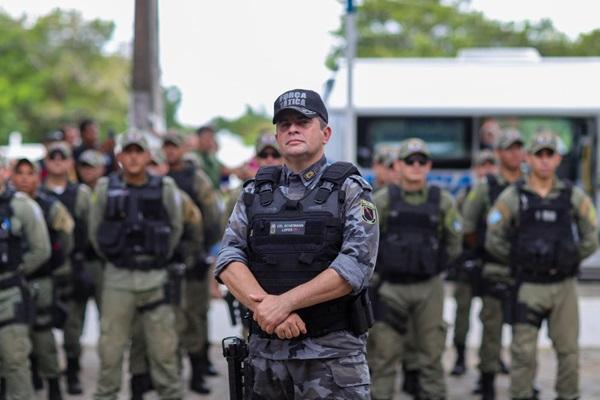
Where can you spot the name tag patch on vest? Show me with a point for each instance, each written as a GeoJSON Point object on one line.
{"type": "Point", "coordinates": [288, 228]}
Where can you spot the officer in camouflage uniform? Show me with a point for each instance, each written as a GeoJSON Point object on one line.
{"type": "Point", "coordinates": [187, 316]}
{"type": "Point", "coordinates": [421, 230]}
{"type": "Point", "coordinates": [135, 223]}
{"type": "Point", "coordinates": [299, 250]}
{"type": "Point", "coordinates": [91, 166]}
{"type": "Point", "coordinates": [466, 269]}
{"type": "Point", "coordinates": [24, 247]}
{"type": "Point", "coordinates": [192, 180]}
{"type": "Point", "coordinates": [50, 312]}
{"type": "Point", "coordinates": [509, 151]}
{"type": "Point", "coordinates": [79, 282]}
{"type": "Point", "coordinates": [543, 228]}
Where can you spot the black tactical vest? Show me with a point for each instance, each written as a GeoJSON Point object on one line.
{"type": "Point", "coordinates": [58, 256]}
{"type": "Point", "coordinates": [545, 242]}
{"type": "Point", "coordinates": [291, 241]}
{"type": "Point", "coordinates": [69, 199]}
{"type": "Point", "coordinates": [411, 249]}
{"type": "Point", "coordinates": [11, 247]}
{"type": "Point", "coordinates": [135, 231]}
{"type": "Point", "coordinates": [184, 179]}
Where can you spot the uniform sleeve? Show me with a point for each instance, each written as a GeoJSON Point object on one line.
{"type": "Point", "coordinates": [173, 205]}
{"type": "Point", "coordinates": [63, 224]}
{"type": "Point", "coordinates": [356, 261]}
{"type": "Point", "coordinates": [97, 208]}
{"type": "Point", "coordinates": [192, 240]}
{"type": "Point", "coordinates": [34, 231]}
{"type": "Point", "coordinates": [381, 199]}
{"type": "Point", "coordinates": [500, 221]}
{"type": "Point", "coordinates": [209, 206]}
{"type": "Point", "coordinates": [453, 227]}
{"type": "Point", "coordinates": [587, 223]}
{"type": "Point", "coordinates": [234, 245]}
{"type": "Point", "coordinates": [82, 206]}
{"type": "Point", "coordinates": [474, 206]}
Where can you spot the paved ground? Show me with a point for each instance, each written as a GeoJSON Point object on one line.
{"type": "Point", "coordinates": [458, 388]}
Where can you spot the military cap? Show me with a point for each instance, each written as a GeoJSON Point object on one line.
{"type": "Point", "coordinates": [384, 156]}
{"type": "Point", "coordinates": [412, 146]}
{"type": "Point", "coordinates": [174, 138]}
{"type": "Point", "coordinates": [59, 147]}
{"type": "Point", "coordinates": [266, 140]}
{"type": "Point", "coordinates": [157, 156]}
{"type": "Point", "coordinates": [134, 137]}
{"type": "Point", "coordinates": [507, 138]}
{"type": "Point", "coordinates": [306, 102]}
{"type": "Point", "coordinates": [93, 158]}
{"type": "Point", "coordinates": [25, 160]}
{"type": "Point", "coordinates": [485, 156]}
{"type": "Point", "coordinates": [543, 140]}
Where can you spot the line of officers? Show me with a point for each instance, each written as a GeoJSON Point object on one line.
{"type": "Point", "coordinates": [137, 242]}
{"type": "Point", "coordinates": [516, 240]}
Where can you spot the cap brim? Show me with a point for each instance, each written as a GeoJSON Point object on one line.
{"type": "Point", "coordinates": [540, 148]}
{"type": "Point", "coordinates": [507, 145]}
{"type": "Point", "coordinates": [304, 111]}
{"type": "Point", "coordinates": [140, 145]}
{"type": "Point", "coordinates": [416, 152]}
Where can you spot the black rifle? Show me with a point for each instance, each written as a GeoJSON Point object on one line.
{"type": "Point", "coordinates": [235, 350]}
{"type": "Point", "coordinates": [233, 306]}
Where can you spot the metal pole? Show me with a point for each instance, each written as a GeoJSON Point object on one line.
{"type": "Point", "coordinates": [350, 143]}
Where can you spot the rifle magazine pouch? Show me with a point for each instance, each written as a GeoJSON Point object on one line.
{"type": "Point", "coordinates": [111, 239]}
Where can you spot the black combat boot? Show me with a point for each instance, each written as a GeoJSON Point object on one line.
{"type": "Point", "coordinates": [72, 374]}
{"type": "Point", "coordinates": [477, 389]}
{"type": "Point", "coordinates": [411, 383]}
{"type": "Point", "coordinates": [197, 383]}
{"type": "Point", "coordinates": [54, 392]}
{"type": "Point", "coordinates": [2, 389]}
{"type": "Point", "coordinates": [488, 392]}
{"type": "Point", "coordinates": [36, 379]}
{"type": "Point", "coordinates": [140, 384]}
{"type": "Point", "coordinates": [459, 367]}
{"type": "Point", "coordinates": [207, 366]}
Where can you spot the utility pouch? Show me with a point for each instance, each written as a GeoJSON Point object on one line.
{"type": "Point", "coordinates": [361, 313]}
{"type": "Point", "coordinates": [174, 285]}
{"type": "Point", "coordinates": [111, 239]}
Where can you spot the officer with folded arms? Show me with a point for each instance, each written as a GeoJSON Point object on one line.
{"type": "Point", "coordinates": [298, 252]}
{"type": "Point", "coordinates": [543, 227]}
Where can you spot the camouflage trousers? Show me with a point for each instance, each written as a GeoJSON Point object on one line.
{"type": "Point", "coordinates": [557, 303]}
{"type": "Point", "coordinates": [345, 378]}
{"type": "Point", "coordinates": [45, 348]}
{"type": "Point", "coordinates": [492, 319]}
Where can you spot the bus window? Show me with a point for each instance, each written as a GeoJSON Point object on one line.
{"type": "Point", "coordinates": [449, 139]}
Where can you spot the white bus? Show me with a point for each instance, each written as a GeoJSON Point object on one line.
{"type": "Point", "coordinates": [454, 103]}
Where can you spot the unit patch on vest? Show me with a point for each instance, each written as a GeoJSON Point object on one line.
{"type": "Point", "coordinates": [287, 228]}
{"type": "Point", "coordinates": [368, 212]}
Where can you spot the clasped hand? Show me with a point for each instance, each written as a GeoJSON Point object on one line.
{"type": "Point", "coordinates": [275, 315]}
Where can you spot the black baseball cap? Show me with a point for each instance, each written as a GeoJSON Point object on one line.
{"type": "Point", "coordinates": [306, 102]}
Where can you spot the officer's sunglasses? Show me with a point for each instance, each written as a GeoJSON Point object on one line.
{"type": "Point", "coordinates": [544, 153]}
{"type": "Point", "coordinates": [267, 154]}
{"type": "Point", "coordinates": [57, 155]}
{"type": "Point", "coordinates": [416, 158]}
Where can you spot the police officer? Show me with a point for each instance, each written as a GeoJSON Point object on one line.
{"type": "Point", "coordinates": [299, 250]}
{"type": "Point", "coordinates": [421, 229]}
{"type": "Point", "coordinates": [24, 247]}
{"type": "Point", "coordinates": [509, 151]}
{"type": "Point", "coordinates": [135, 223]}
{"type": "Point", "coordinates": [91, 166]}
{"type": "Point", "coordinates": [50, 311]}
{"type": "Point", "coordinates": [195, 182]}
{"type": "Point", "coordinates": [187, 315]}
{"type": "Point", "coordinates": [466, 273]}
{"type": "Point", "coordinates": [80, 285]}
{"type": "Point", "coordinates": [544, 226]}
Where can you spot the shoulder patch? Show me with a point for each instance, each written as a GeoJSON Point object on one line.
{"type": "Point", "coordinates": [368, 212]}
{"type": "Point", "coordinates": [494, 216]}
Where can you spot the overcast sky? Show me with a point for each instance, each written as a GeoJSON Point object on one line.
{"type": "Point", "coordinates": [228, 53]}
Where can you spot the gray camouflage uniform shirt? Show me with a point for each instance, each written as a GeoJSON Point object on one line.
{"type": "Point", "coordinates": [354, 263]}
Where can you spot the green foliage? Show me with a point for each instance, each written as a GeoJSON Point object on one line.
{"type": "Point", "coordinates": [56, 70]}
{"type": "Point", "coordinates": [249, 125]}
{"type": "Point", "coordinates": [437, 28]}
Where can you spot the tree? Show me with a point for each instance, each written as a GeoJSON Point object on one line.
{"type": "Point", "coordinates": [249, 125]}
{"type": "Point", "coordinates": [58, 70]}
{"type": "Point", "coordinates": [436, 28]}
